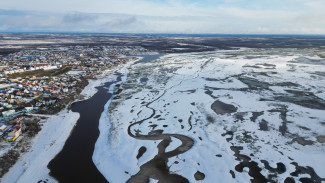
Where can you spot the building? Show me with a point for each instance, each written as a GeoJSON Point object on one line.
{"type": "Point", "coordinates": [3, 128]}
{"type": "Point", "coordinates": [15, 133]}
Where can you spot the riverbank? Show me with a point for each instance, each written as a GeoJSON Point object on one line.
{"type": "Point", "coordinates": [32, 166]}
{"type": "Point", "coordinates": [74, 162]}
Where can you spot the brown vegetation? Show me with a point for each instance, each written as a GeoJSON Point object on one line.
{"type": "Point", "coordinates": [40, 73]}
{"type": "Point", "coordinates": [7, 160]}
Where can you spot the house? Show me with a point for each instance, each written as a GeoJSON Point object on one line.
{"type": "Point", "coordinates": [18, 119]}
{"type": "Point", "coordinates": [8, 113]}
{"type": "Point", "coordinates": [14, 134]}
{"type": "Point", "coordinates": [3, 128]}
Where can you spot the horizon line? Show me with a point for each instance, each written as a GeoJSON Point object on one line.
{"type": "Point", "coordinates": [230, 34]}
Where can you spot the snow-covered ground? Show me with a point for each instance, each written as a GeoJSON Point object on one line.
{"type": "Point", "coordinates": [253, 114]}
{"type": "Point", "coordinates": [32, 166]}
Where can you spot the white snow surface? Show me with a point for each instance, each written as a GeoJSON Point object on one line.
{"type": "Point", "coordinates": [185, 108]}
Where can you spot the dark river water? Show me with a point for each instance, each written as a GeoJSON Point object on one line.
{"type": "Point", "coordinates": [74, 162]}
{"type": "Point", "coordinates": [147, 58]}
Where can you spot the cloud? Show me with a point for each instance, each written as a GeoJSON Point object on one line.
{"type": "Point", "coordinates": [11, 13]}
{"type": "Point", "coordinates": [4, 27]}
{"type": "Point", "coordinates": [120, 22]}
{"type": "Point", "coordinates": [315, 4]}
{"type": "Point", "coordinates": [28, 21]}
{"type": "Point", "coordinates": [76, 18]}
{"type": "Point", "coordinates": [166, 16]}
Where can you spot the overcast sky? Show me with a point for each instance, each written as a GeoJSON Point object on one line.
{"type": "Point", "coordinates": [164, 16]}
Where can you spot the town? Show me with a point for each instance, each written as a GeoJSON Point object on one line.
{"type": "Point", "coordinates": [45, 80]}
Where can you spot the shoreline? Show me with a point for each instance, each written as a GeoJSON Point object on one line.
{"type": "Point", "coordinates": [101, 154]}
{"type": "Point", "coordinates": [32, 165]}
{"type": "Point", "coordinates": [74, 162]}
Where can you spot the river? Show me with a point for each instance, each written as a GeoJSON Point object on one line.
{"type": "Point", "coordinates": [74, 162]}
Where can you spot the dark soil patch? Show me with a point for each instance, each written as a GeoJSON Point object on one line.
{"type": "Point", "coordinates": [302, 98]}
{"type": "Point", "coordinates": [153, 126]}
{"type": "Point", "coordinates": [302, 141]}
{"type": "Point", "coordinates": [199, 175]}
{"type": "Point", "coordinates": [232, 174]}
{"type": "Point", "coordinates": [222, 108]}
{"type": "Point", "coordinates": [144, 80]}
{"type": "Point", "coordinates": [253, 66]}
{"type": "Point", "coordinates": [304, 128]}
{"type": "Point", "coordinates": [287, 84]}
{"type": "Point", "coordinates": [228, 133]}
{"type": "Point", "coordinates": [264, 125]}
{"type": "Point", "coordinates": [289, 180]}
{"type": "Point", "coordinates": [210, 119]}
{"type": "Point", "coordinates": [321, 139]}
{"type": "Point", "coordinates": [255, 115]}
{"type": "Point", "coordinates": [280, 167]}
{"type": "Point", "coordinates": [141, 151]}
{"type": "Point", "coordinates": [306, 170]}
{"type": "Point", "coordinates": [245, 161]}
{"type": "Point", "coordinates": [254, 84]}
{"type": "Point", "coordinates": [158, 116]}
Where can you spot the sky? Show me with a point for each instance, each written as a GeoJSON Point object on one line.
{"type": "Point", "coordinates": [164, 16]}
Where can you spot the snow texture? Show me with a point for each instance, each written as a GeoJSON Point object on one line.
{"type": "Point", "coordinates": [279, 115]}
